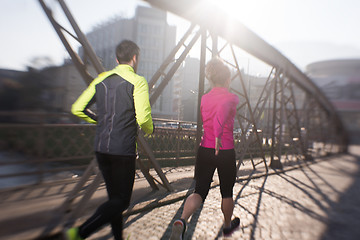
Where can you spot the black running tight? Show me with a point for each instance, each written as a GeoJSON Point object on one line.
{"type": "Point", "coordinates": [118, 173]}
{"type": "Point", "coordinates": [206, 163]}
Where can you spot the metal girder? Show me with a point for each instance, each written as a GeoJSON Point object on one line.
{"type": "Point", "coordinates": [74, 56]}
{"type": "Point", "coordinates": [156, 93]}
{"type": "Point", "coordinates": [293, 121]}
{"type": "Point", "coordinates": [201, 86]}
{"type": "Point", "coordinates": [253, 120]}
{"type": "Point", "coordinates": [82, 39]}
{"type": "Point", "coordinates": [170, 58]}
{"type": "Point", "coordinates": [208, 16]}
{"type": "Point", "coordinates": [277, 122]}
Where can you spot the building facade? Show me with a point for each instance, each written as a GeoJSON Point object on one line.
{"type": "Point", "coordinates": [340, 82]}
{"type": "Point", "coordinates": [189, 89]}
{"type": "Point", "coordinates": [150, 30]}
{"type": "Point", "coordinates": [66, 85]}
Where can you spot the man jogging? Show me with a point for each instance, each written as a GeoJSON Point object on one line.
{"type": "Point", "coordinates": [122, 101]}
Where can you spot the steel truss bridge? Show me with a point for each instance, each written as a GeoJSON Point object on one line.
{"type": "Point", "coordinates": [290, 120]}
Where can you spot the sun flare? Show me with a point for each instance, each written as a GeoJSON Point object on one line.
{"type": "Point", "coordinates": [246, 11]}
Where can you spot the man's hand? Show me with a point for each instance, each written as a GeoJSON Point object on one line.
{"type": "Point", "coordinates": [217, 145]}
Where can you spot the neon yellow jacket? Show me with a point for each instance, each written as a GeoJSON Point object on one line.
{"type": "Point", "coordinates": [122, 99]}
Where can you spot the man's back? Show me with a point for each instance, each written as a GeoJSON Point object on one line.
{"type": "Point", "coordinates": [122, 99]}
{"type": "Point", "coordinates": [116, 125]}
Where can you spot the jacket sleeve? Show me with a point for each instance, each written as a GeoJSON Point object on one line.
{"type": "Point", "coordinates": [142, 106]}
{"type": "Point", "coordinates": [81, 106]}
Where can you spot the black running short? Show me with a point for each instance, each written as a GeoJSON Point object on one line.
{"type": "Point", "coordinates": [206, 163]}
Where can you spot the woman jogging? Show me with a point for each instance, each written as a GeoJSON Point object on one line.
{"type": "Point", "coordinates": [216, 151]}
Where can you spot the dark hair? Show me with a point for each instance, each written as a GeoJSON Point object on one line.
{"type": "Point", "coordinates": [126, 50]}
{"type": "Point", "coordinates": [217, 72]}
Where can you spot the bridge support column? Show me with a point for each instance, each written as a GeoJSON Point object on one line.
{"type": "Point", "coordinates": [201, 87]}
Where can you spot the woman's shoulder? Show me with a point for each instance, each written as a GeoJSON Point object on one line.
{"type": "Point", "coordinates": [233, 97]}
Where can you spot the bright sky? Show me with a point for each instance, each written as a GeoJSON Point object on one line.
{"type": "Point", "coordinates": [303, 30]}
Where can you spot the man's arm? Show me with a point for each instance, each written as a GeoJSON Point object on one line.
{"type": "Point", "coordinates": [142, 106]}
{"type": "Point", "coordinates": [81, 106]}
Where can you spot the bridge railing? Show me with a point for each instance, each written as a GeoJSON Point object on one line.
{"type": "Point", "coordinates": [34, 153]}
{"type": "Point", "coordinates": [39, 152]}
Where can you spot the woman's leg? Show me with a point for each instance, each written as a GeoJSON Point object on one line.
{"type": "Point", "coordinates": [227, 176]}
{"type": "Point", "coordinates": [227, 207]}
{"type": "Point", "coordinates": [204, 171]}
{"type": "Point", "coordinates": [192, 203]}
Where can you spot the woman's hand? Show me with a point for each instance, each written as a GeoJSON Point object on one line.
{"type": "Point", "coordinates": [217, 145]}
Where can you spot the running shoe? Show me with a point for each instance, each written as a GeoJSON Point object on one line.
{"type": "Point", "coordinates": [178, 230]}
{"type": "Point", "coordinates": [73, 234]}
{"type": "Point", "coordinates": [233, 226]}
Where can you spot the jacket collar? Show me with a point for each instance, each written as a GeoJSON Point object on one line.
{"type": "Point", "coordinates": [125, 67]}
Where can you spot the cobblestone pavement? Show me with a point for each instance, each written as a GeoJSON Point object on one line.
{"type": "Point", "coordinates": [317, 201]}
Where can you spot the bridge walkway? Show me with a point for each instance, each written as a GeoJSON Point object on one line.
{"type": "Point", "coordinates": [316, 200]}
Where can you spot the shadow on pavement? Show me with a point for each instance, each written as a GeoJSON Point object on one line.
{"type": "Point", "coordinates": [258, 204]}
{"type": "Point", "coordinates": [341, 216]}
{"type": "Point", "coordinates": [255, 215]}
{"type": "Point", "coordinates": [344, 216]}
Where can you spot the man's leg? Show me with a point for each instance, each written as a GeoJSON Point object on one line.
{"type": "Point", "coordinates": [97, 219]}
{"type": "Point", "coordinates": [118, 173]}
{"type": "Point", "coordinates": [123, 175]}
{"type": "Point", "coordinates": [117, 226]}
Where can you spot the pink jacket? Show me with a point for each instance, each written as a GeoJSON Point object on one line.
{"type": "Point", "coordinates": [218, 109]}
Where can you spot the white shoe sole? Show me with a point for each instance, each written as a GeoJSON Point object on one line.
{"type": "Point", "coordinates": [176, 233]}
